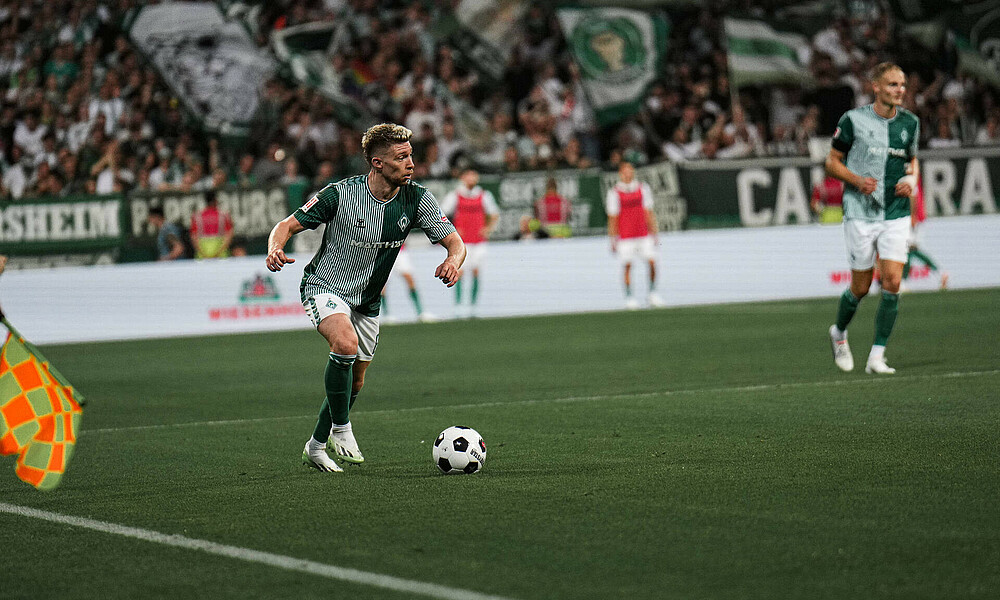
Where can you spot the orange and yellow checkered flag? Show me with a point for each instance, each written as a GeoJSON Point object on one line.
{"type": "Point", "coordinates": [39, 413]}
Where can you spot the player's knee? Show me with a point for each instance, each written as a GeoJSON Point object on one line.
{"type": "Point", "coordinates": [891, 284]}
{"type": "Point", "coordinates": [345, 345]}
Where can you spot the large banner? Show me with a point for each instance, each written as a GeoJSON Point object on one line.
{"type": "Point", "coordinates": [760, 192]}
{"type": "Point", "coordinates": [52, 232]}
{"type": "Point", "coordinates": [619, 52]}
{"type": "Point", "coordinates": [212, 64]}
{"type": "Point", "coordinates": [254, 213]}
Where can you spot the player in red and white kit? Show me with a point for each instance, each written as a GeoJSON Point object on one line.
{"type": "Point", "coordinates": [475, 213]}
{"type": "Point", "coordinates": [632, 228]}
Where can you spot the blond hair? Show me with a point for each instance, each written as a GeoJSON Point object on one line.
{"type": "Point", "coordinates": [883, 68]}
{"type": "Point", "coordinates": [382, 136]}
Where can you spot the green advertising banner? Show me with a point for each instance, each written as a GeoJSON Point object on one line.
{"type": "Point", "coordinates": [254, 213]}
{"type": "Point", "coordinates": [50, 232]}
{"type": "Point", "coordinates": [761, 192]}
{"type": "Point", "coordinates": [62, 231]}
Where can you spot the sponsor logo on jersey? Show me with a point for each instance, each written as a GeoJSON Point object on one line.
{"type": "Point", "coordinates": [378, 245]}
{"type": "Point", "coordinates": [308, 205]}
{"type": "Point", "coordinates": [403, 222]}
{"type": "Point", "coordinates": [836, 133]}
{"type": "Point", "coordinates": [903, 135]}
{"type": "Point", "coordinates": [444, 218]}
{"type": "Point", "coordinates": [897, 152]}
{"type": "Point", "coordinates": [361, 222]}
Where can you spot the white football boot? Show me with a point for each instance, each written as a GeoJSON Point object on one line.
{"type": "Point", "coordinates": [841, 350]}
{"type": "Point", "coordinates": [877, 366]}
{"type": "Point", "coordinates": [631, 303]}
{"type": "Point", "coordinates": [315, 456]}
{"type": "Point", "coordinates": [343, 445]}
{"type": "Point", "coordinates": [655, 301]}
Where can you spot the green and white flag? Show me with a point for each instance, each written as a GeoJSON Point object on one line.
{"type": "Point", "coordinates": [619, 52]}
{"type": "Point", "coordinates": [760, 54]}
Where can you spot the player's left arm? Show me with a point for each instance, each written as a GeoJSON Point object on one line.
{"type": "Point", "coordinates": [450, 270]}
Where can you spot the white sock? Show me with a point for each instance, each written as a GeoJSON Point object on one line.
{"type": "Point", "coordinates": [340, 428]}
{"type": "Point", "coordinates": [838, 334]}
{"type": "Point", "coordinates": [314, 445]}
{"type": "Point", "coordinates": [877, 353]}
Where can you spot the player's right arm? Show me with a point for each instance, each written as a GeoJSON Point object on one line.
{"type": "Point", "coordinates": [843, 139]}
{"type": "Point", "coordinates": [282, 232]}
{"type": "Point", "coordinates": [835, 167]}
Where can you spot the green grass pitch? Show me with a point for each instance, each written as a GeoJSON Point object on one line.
{"type": "Point", "coordinates": [709, 452]}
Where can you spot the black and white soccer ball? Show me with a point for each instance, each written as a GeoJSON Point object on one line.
{"type": "Point", "coordinates": [459, 450]}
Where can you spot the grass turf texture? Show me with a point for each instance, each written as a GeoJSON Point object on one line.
{"type": "Point", "coordinates": [687, 453]}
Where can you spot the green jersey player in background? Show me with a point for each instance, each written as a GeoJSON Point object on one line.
{"type": "Point", "coordinates": [874, 147]}
{"type": "Point", "coordinates": [367, 219]}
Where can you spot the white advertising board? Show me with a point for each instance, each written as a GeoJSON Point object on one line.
{"type": "Point", "coordinates": [149, 300]}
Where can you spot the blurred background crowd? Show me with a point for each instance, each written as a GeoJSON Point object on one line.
{"type": "Point", "coordinates": [84, 112]}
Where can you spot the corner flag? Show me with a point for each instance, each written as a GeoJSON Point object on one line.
{"type": "Point", "coordinates": [39, 413]}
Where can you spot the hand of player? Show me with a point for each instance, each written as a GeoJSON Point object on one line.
{"type": "Point", "coordinates": [868, 185]}
{"type": "Point", "coordinates": [903, 189]}
{"type": "Point", "coordinates": [447, 273]}
{"type": "Point", "coordinates": [276, 259]}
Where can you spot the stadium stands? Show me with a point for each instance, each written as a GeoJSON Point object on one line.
{"type": "Point", "coordinates": [85, 112]}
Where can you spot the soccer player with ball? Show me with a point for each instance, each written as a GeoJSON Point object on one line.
{"type": "Point", "coordinates": [367, 219]}
{"type": "Point", "coordinates": [873, 148]}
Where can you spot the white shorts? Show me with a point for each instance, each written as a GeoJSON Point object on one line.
{"type": "Point", "coordinates": [476, 255]}
{"type": "Point", "coordinates": [322, 306]}
{"type": "Point", "coordinates": [864, 238]}
{"type": "Point", "coordinates": [404, 264]}
{"type": "Point", "coordinates": [641, 247]}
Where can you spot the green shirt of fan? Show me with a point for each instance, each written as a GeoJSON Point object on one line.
{"type": "Point", "coordinates": [362, 238]}
{"type": "Point", "coordinates": [879, 148]}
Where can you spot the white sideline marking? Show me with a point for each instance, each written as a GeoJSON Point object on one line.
{"type": "Point", "coordinates": [255, 556]}
{"type": "Point", "coordinates": [745, 388]}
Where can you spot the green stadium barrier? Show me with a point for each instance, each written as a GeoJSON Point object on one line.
{"type": "Point", "coordinates": [695, 195]}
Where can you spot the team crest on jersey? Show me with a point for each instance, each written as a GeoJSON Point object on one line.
{"type": "Point", "coordinates": [308, 205]}
{"type": "Point", "coordinates": [403, 222]}
{"type": "Point", "coordinates": [903, 135]}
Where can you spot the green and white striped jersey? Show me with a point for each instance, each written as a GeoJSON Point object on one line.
{"type": "Point", "coordinates": [880, 148]}
{"type": "Point", "coordinates": [363, 237]}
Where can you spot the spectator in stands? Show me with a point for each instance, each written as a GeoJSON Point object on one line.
{"type": "Point", "coordinates": [292, 175]}
{"type": "Point", "coordinates": [211, 229]}
{"type": "Point", "coordinates": [245, 176]}
{"type": "Point", "coordinates": [989, 133]}
{"type": "Point", "coordinates": [944, 137]}
{"type": "Point", "coordinates": [552, 212]}
{"type": "Point", "coordinates": [169, 236]}
{"type": "Point", "coordinates": [15, 176]}
{"type": "Point", "coordinates": [29, 133]}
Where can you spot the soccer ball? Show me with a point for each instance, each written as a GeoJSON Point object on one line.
{"type": "Point", "coordinates": [459, 450]}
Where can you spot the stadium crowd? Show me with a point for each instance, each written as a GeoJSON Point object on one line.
{"type": "Point", "coordinates": [84, 113]}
